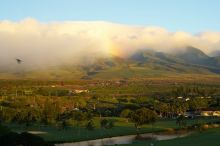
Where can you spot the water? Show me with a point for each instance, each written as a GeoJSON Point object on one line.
{"type": "Point", "coordinates": [122, 139]}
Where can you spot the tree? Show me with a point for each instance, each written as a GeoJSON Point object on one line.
{"type": "Point", "coordinates": [111, 124]}
{"type": "Point", "coordinates": [28, 116]}
{"type": "Point", "coordinates": [106, 124]}
{"type": "Point", "coordinates": [79, 117]}
{"type": "Point", "coordinates": [126, 114]}
{"type": "Point", "coordinates": [64, 124]}
{"type": "Point", "coordinates": [180, 106]}
{"type": "Point", "coordinates": [181, 121]}
{"type": "Point", "coordinates": [51, 111]}
{"type": "Point", "coordinates": [89, 116]}
{"type": "Point", "coordinates": [198, 103]}
{"type": "Point", "coordinates": [90, 126]}
{"type": "Point", "coordinates": [143, 116]}
{"type": "Point", "coordinates": [162, 108]}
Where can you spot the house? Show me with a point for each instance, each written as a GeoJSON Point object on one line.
{"type": "Point", "coordinates": [77, 91]}
{"type": "Point", "coordinates": [216, 113]}
{"type": "Point", "coordinates": [28, 92]}
{"type": "Point", "coordinates": [204, 113]}
{"type": "Point", "coordinates": [207, 113]}
{"type": "Point", "coordinates": [76, 109]}
{"type": "Point", "coordinates": [80, 91]}
{"type": "Point", "coordinates": [187, 99]}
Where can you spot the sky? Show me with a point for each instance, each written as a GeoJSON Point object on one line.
{"type": "Point", "coordinates": [193, 16]}
{"type": "Point", "coordinates": [55, 32]}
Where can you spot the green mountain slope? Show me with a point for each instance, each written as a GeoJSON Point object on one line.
{"type": "Point", "coordinates": [145, 63]}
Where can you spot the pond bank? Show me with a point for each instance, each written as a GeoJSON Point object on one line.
{"type": "Point", "coordinates": [124, 139]}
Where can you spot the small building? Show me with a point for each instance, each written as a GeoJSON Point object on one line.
{"type": "Point", "coordinates": [187, 99]}
{"type": "Point", "coordinates": [76, 109]}
{"type": "Point", "coordinates": [207, 113]}
{"type": "Point", "coordinates": [80, 91]}
{"type": "Point", "coordinates": [28, 92]}
{"type": "Point", "coordinates": [216, 113]}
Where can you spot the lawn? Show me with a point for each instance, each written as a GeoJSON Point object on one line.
{"type": "Point", "coordinates": [210, 137]}
{"type": "Point", "coordinates": [72, 133]}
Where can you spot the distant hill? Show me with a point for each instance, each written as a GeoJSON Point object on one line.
{"type": "Point", "coordinates": [148, 63]}
{"type": "Point", "coordinates": [143, 63]}
{"type": "Point", "coordinates": [193, 55]}
{"type": "Point", "coordinates": [215, 53]}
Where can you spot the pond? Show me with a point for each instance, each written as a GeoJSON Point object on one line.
{"type": "Point", "coordinates": [125, 139]}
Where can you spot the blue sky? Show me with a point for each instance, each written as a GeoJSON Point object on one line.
{"type": "Point", "coordinates": [186, 15]}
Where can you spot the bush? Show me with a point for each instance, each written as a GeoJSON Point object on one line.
{"type": "Point", "coordinates": [3, 130]}
{"type": "Point", "coordinates": [23, 139]}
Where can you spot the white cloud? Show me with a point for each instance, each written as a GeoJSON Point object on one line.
{"type": "Point", "coordinates": [80, 42]}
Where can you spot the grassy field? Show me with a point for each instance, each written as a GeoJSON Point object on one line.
{"type": "Point", "coordinates": [72, 133]}
{"type": "Point", "coordinates": [210, 137]}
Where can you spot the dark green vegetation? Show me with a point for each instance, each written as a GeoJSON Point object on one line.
{"type": "Point", "coordinates": [8, 138]}
{"type": "Point", "coordinates": [48, 102]}
{"type": "Point", "coordinates": [24, 139]}
{"type": "Point", "coordinates": [72, 132]}
{"type": "Point", "coordinates": [60, 111]}
{"type": "Point", "coordinates": [143, 116]}
{"type": "Point", "coordinates": [206, 138]}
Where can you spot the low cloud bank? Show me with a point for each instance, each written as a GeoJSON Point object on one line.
{"type": "Point", "coordinates": [50, 44]}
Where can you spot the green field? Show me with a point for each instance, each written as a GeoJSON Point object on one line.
{"type": "Point", "coordinates": [45, 105]}
{"type": "Point", "coordinates": [211, 137]}
{"type": "Point", "coordinates": [73, 133]}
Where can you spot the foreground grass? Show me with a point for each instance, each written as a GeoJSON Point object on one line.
{"type": "Point", "coordinates": [210, 137]}
{"type": "Point", "coordinates": [72, 133]}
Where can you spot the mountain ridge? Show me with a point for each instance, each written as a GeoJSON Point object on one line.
{"type": "Point", "coordinates": [143, 63]}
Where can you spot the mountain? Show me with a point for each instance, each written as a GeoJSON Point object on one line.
{"type": "Point", "coordinates": [143, 63]}
{"type": "Point", "coordinates": [147, 63]}
{"type": "Point", "coordinates": [193, 55]}
{"type": "Point", "coordinates": [215, 53]}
